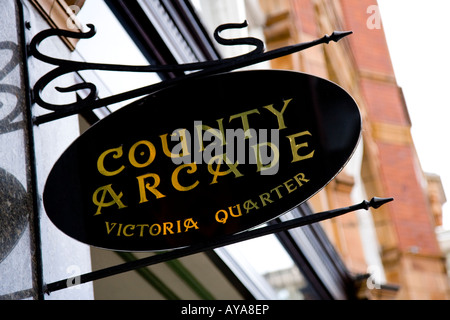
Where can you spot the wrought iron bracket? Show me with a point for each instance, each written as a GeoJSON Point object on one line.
{"type": "Point", "coordinates": [197, 69]}
{"type": "Point", "coordinates": [224, 241]}
{"type": "Point", "coordinates": [194, 70]}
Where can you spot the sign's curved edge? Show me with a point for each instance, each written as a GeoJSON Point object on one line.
{"type": "Point", "coordinates": [118, 112]}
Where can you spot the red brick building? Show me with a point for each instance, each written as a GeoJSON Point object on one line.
{"type": "Point", "coordinates": [405, 229]}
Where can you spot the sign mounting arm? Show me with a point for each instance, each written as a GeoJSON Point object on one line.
{"type": "Point", "coordinates": [243, 236]}
{"type": "Point", "coordinates": [203, 69]}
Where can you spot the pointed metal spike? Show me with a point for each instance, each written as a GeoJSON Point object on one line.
{"type": "Point", "coordinates": [378, 202]}
{"type": "Point", "coordinates": [338, 35]}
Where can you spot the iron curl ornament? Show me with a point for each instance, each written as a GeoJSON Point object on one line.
{"type": "Point", "coordinates": [193, 71]}
{"type": "Point", "coordinates": [196, 69]}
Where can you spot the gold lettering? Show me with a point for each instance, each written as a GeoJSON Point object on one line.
{"type": "Point", "coordinates": [244, 118]}
{"type": "Point", "coordinates": [108, 228]}
{"type": "Point", "coordinates": [278, 191]}
{"type": "Point", "coordinates": [151, 157]}
{"type": "Point", "coordinates": [149, 187]}
{"type": "Point", "coordinates": [100, 162]}
{"type": "Point", "coordinates": [238, 206]}
{"type": "Point", "coordinates": [249, 205]}
{"type": "Point", "coordinates": [295, 147]}
{"type": "Point", "coordinates": [273, 162]}
{"type": "Point", "coordinates": [183, 141]}
{"type": "Point", "coordinates": [216, 173]}
{"type": "Point", "coordinates": [202, 127]}
{"type": "Point", "coordinates": [289, 186]}
{"type": "Point", "coordinates": [167, 227]}
{"type": "Point", "coordinates": [158, 228]}
{"type": "Point", "coordinates": [189, 223]}
{"type": "Point", "coordinates": [192, 167]}
{"type": "Point", "coordinates": [125, 230]}
{"type": "Point", "coordinates": [300, 179]}
{"type": "Point", "coordinates": [225, 217]}
{"type": "Point", "coordinates": [265, 197]}
{"type": "Point", "coordinates": [141, 233]}
{"type": "Point", "coordinates": [101, 203]}
{"type": "Point", "coordinates": [279, 114]}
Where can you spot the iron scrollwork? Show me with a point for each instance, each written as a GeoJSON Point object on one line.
{"type": "Point", "coordinates": [197, 69]}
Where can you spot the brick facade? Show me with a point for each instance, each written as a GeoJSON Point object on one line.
{"type": "Point", "coordinates": [390, 168]}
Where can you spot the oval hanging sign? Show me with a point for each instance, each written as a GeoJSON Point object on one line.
{"type": "Point", "coordinates": [207, 158]}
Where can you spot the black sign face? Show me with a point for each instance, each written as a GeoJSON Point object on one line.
{"type": "Point", "coordinates": [204, 159]}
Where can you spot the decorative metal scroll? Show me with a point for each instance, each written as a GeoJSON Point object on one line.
{"type": "Point", "coordinates": [374, 203]}
{"type": "Point", "coordinates": [197, 70]}
{"type": "Point", "coordinates": [92, 101]}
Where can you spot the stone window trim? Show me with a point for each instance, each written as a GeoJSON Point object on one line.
{"type": "Point", "coordinates": [61, 14]}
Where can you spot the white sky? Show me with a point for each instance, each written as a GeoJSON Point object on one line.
{"type": "Point", "coordinates": [416, 31]}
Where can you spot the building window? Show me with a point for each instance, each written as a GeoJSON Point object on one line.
{"type": "Point", "coordinates": [61, 14]}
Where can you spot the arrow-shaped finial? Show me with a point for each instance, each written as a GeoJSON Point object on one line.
{"type": "Point", "coordinates": [378, 202]}
{"type": "Point", "coordinates": [337, 35]}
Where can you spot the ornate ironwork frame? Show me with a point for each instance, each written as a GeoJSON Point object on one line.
{"type": "Point", "coordinates": [220, 242]}
{"type": "Point", "coordinates": [200, 69]}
